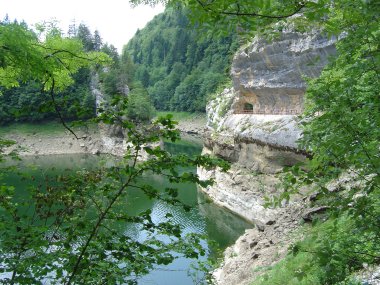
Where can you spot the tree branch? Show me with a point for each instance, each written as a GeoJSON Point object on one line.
{"type": "Point", "coordinates": [100, 221]}
{"type": "Point", "coordinates": [58, 112]}
{"type": "Point", "coordinates": [57, 51]}
{"type": "Point", "coordinates": [237, 13]}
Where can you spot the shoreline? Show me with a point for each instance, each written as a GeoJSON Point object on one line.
{"type": "Point", "coordinates": [93, 141]}
{"type": "Point", "coordinates": [237, 258]}
{"type": "Point", "coordinates": [62, 143]}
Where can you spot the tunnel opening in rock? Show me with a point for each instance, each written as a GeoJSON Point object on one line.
{"type": "Point", "coordinates": [248, 108]}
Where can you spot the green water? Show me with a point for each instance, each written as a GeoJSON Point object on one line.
{"type": "Point", "coordinates": [206, 218]}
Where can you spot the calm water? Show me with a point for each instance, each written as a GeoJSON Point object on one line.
{"type": "Point", "coordinates": [206, 218]}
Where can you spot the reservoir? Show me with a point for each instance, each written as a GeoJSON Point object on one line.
{"type": "Point", "coordinates": [218, 224]}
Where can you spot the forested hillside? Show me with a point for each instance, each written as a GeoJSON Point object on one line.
{"type": "Point", "coordinates": [177, 65]}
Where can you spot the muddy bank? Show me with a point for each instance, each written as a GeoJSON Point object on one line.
{"type": "Point", "coordinates": [94, 141]}
{"type": "Point", "coordinates": [194, 126]}
{"type": "Point", "coordinates": [63, 143]}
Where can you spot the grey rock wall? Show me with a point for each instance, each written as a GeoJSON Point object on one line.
{"type": "Point", "coordinates": [271, 74]}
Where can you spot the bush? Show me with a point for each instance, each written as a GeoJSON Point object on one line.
{"type": "Point", "coordinates": [140, 108]}
{"type": "Point", "coordinates": [332, 251]}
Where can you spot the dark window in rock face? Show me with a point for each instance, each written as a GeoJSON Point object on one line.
{"type": "Point", "coordinates": [248, 107]}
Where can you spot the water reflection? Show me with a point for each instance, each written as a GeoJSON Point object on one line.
{"type": "Point", "coordinates": [204, 218]}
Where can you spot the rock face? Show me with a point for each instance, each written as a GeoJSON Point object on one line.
{"type": "Point", "coordinates": [111, 136]}
{"type": "Point", "coordinates": [95, 90]}
{"type": "Point", "coordinates": [242, 191]}
{"type": "Point", "coordinates": [255, 250]}
{"type": "Point", "coordinates": [270, 77]}
{"type": "Point", "coordinates": [254, 126]}
{"type": "Point", "coordinates": [269, 74]}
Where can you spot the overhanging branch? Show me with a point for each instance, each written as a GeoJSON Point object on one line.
{"type": "Point", "coordinates": [238, 12]}
{"type": "Point", "coordinates": [57, 110]}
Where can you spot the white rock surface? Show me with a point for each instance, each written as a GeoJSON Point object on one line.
{"type": "Point", "coordinates": [269, 75]}
{"type": "Point", "coordinates": [255, 250]}
{"type": "Point", "coordinates": [243, 193]}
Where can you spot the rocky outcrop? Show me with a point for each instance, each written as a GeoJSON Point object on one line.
{"type": "Point", "coordinates": [257, 249]}
{"type": "Point", "coordinates": [255, 127]}
{"type": "Point", "coordinates": [256, 155]}
{"type": "Point", "coordinates": [112, 138]}
{"type": "Point", "coordinates": [243, 192]}
{"type": "Point", "coordinates": [270, 74]}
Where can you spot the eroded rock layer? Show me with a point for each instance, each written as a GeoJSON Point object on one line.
{"type": "Point", "coordinates": [269, 75]}
{"type": "Point", "coordinates": [255, 126]}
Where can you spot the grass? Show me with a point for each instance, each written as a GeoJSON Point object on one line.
{"type": "Point", "coordinates": [298, 270]}
{"type": "Point", "coordinates": [182, 116]}
{"type": "Point", "coordinates": [41, 128]}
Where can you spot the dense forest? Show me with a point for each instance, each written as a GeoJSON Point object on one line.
{"type": "Point", "coordinates": [28, 102]}
{"type": "Point", "coordinates": [179, 67]}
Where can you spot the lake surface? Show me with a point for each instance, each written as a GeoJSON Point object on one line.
{"type": "Point", "coordinates": [217, 223]}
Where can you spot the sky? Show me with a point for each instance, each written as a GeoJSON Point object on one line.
{"type": "Point", "coordinates": [115, 20]}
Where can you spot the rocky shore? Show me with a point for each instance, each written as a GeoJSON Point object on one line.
{"type": "Point", "coordinates": [194, 126]}
{"type": "Point", "coordinates": [63, 143]}
{"type": "Point", "coordinates": [94, 141]}
{"type": "Point", "coordinates": [260, 247]}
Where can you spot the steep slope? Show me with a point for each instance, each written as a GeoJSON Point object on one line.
{"type": "Point", "coordinates": [178, 66]}
{"type": "Point", "coordinates": [262, 143]}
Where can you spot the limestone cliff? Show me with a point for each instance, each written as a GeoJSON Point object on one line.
{"type": "Point", "coordinates": [255, 126]}
{"type": "Point", "coordinates": [269, 79]}
{"type": "Point", "coordinates": [254, 123]}
{"type": "Point", "coordinates": [269, 75]}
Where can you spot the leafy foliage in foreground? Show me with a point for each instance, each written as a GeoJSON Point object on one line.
{"type": "Point", "coordinates": [332, 249]}
{"type": "Point", "coordinates": [25, 78]}
{"type": "Point", "coordinates": [65, 229]}
{"type": "Point", "coordinates": [52, 62]}
{"type": "Point", "coordinates": [342, 131]}
{"type": "Point", "coordinates": [68, 229]}
{"type": "Point", "coordinates": [225, 17]}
